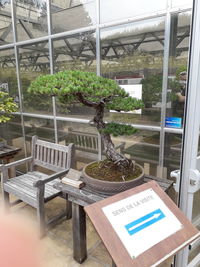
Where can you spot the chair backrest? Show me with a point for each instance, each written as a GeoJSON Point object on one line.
{"type": "Point", "coordinates": [87, 141]}
{"type": "Point", "coordinates": [52, 156]}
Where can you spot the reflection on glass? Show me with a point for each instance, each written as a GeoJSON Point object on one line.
{"type": "Point", "coordinates": [181, 3]}
{"type": "Point", "coordinates": [74, 14]}
{"type": "Point", "coordinates": [6, 33]}
{"type": "Point", "coordinates": [31, 19]}
{"type": "Point", "coordinates": [133, 56]}
{"type": "Point", "coordinates": [128, 8]}
{"type": "Point", "coordinates": [75, 52]}
{"type": "Point", "coordinates": [43, 128]}
{"type": "Point", "coordinates": [34, 61]}
{"type": "Point", "coordinates": [143, 147]}
{"type": "Point", "coordinates": [178, 61]}
{"type": "Point", "coordinates": [172, 152]}
{"type": "Point", "coordinates": [11, 133]}
{"type": "Point", "coordinates": [85, 139]}
{"type": "Point", "coordinates": [8, 80]}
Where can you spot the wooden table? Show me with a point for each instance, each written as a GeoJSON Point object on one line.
{"type": "Point", "coordinates": [82, 197]}
{"type": "Point", "coordinates": [7, 153]}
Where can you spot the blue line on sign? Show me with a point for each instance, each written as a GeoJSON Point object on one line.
{"type": "Point", "coordinates": [144, 221]}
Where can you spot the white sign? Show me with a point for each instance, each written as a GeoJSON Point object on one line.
{"type": "Point", "coordinates": [141, 221]}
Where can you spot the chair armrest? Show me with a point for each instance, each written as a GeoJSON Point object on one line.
{"type": "Point", "coordinates": [1, 167]}
{"type": "Point", "coordinates": [121, 145]}
{"type": "Point", "coordinates": [52, 177]}
{"type": "Point", "coordinates": [16, 163]}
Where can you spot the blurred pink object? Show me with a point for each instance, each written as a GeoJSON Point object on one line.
{"type": "Point", "coordinates": [19, 246]}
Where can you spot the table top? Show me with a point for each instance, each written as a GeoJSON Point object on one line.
{"type": "Point", "coordinates": [84, 196]}
{"type": "Point", "coordinates": [7, 150]}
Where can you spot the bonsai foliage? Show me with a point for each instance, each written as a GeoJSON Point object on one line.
{"type": "Point", "coordinates": [151, 89]}
{"type": "Point", "coordinates": [98, 93]}
{"type": "Point", "coordinates": [7, 106]}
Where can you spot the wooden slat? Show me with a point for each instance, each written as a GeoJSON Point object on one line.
{"type": "Point", "coordinates": [49, 166]}
{"type": "Point", "coordinates": [37, 151]}
{"type": "Point", "coordinates": [52, 145]}
{"type": "Point", "coordinates": [56, 157]}
{"type": "Point", "coordinates": [64, 160]}
{"type": "Point", "coordinates": [48, 155]}
{"type": "Point", "coordinates": [24, 185]}
{"type": "Point", "coordinates": [45, 154]}
{"type": "Point", "coordinates": [52, 156]}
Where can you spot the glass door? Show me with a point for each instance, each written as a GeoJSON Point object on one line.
{"type": "Point", "coordinates": [189, 189]}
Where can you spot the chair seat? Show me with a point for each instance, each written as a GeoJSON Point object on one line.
{"type": "Point", "coordinates": [22, 187]}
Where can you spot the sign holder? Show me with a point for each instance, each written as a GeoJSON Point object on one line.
{"type": "Point", "coordinates": [117, 235]}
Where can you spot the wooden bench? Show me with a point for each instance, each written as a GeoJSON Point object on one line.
{"type": "Point", "coordinates": [36, 187]}
{"type": "Point", "coordinates": [145, 153]}
{"type": "Point", "coordinates": [88, 146]}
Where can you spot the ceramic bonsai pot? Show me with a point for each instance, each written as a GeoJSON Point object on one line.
{"type": "Point", "coordinates": [111, 188]}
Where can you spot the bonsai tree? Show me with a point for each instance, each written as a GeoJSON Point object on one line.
{"type": "Point", "coordinates": [7, 106]}
{"type": "Point", "coordinates": [98, 93]}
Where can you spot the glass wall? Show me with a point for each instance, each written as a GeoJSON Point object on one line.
{"type": "Point", "coordinates": [128, 8]}
{"type": "Point", "coordinates": [116, 39]}
{"type": "Point", "coordinates": [72, 14]}
{"type": "Point", "coordinates": [176, 89]}
{"type": "Point", "coordinates": [76, 51]}
{"type": "Point", "coordinates": [10, 132]}
{"type": "Point", "coordinates": [31, 19]}
{"type": "Point", "coordinates": [6, 30]}
{"type": "Point", "coordinates": [132, 55]}
{"type": "Point", "coordinates": [34, 61]}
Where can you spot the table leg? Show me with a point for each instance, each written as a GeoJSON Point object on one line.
{"type": "Point", "coordinates": [79, 233]}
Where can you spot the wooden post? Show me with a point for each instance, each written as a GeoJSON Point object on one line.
{"type": "Point", "coordinates": [4, 178]}
{"type": "Point", "coordinates": [40, 210]}
{"type": "Point", "coordinates": [68, 207]}
{"type": "Point", "coordinates": [79, 233]}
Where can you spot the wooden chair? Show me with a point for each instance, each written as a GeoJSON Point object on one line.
{"type": "Point", "coordinates": [35, 187]}
{"type": "Point", "coordinates": [88, 146]}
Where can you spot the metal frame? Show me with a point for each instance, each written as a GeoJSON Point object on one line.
{"type": "Point", "coordinates": [191, 125]}
{"type": "Point", "coordinates": [50, 37]}
{"type": "Point", "coordinates": [164, 90]}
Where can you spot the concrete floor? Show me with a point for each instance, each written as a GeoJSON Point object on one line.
{"type": "Point", "coordinates": [57, 245]}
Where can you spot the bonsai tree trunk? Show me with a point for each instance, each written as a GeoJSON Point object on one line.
{"type": "Point", "coordinates": [123, 164]}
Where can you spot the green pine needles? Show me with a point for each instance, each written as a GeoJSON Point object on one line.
{"type": "Point", "coordinates": [88, 89]}
{"type": "Point", "coordinates": [99, 93]}
{"type": "Point", "coordinates": [117, 129]}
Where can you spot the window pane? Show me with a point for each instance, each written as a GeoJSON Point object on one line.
{"type": "Point", "coordinates": [34, 61]}
{"type": "Point", "coordinates": [85, 139]}
{"type": "Point", "coordinates": [43, 128]}
{"type": "Point", "coordinates": [31, 19]}
{"type": "Point", "coordinates": [70, 15]}
{"type": "Point", "coordinates": [75, 52]}
{"type": "Point", "coordinates": [172, 152]}
{"type": "Point", "coordinates": [128, 8]}
{"type": "Point", "coordinates": [8, 79]}
{"type": "Point", "coordinates": [143, 147]}
{"type": "Point", "coordinates": [181, 3]}
{"type": "Point", "coordinates": [6, 32]}
{"type": "Point", "coordinates": [133, 56]}
{"type": "Point", "coordinates": [11, 132]}
{"type": "Point", "coordinates": [178, 61]}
